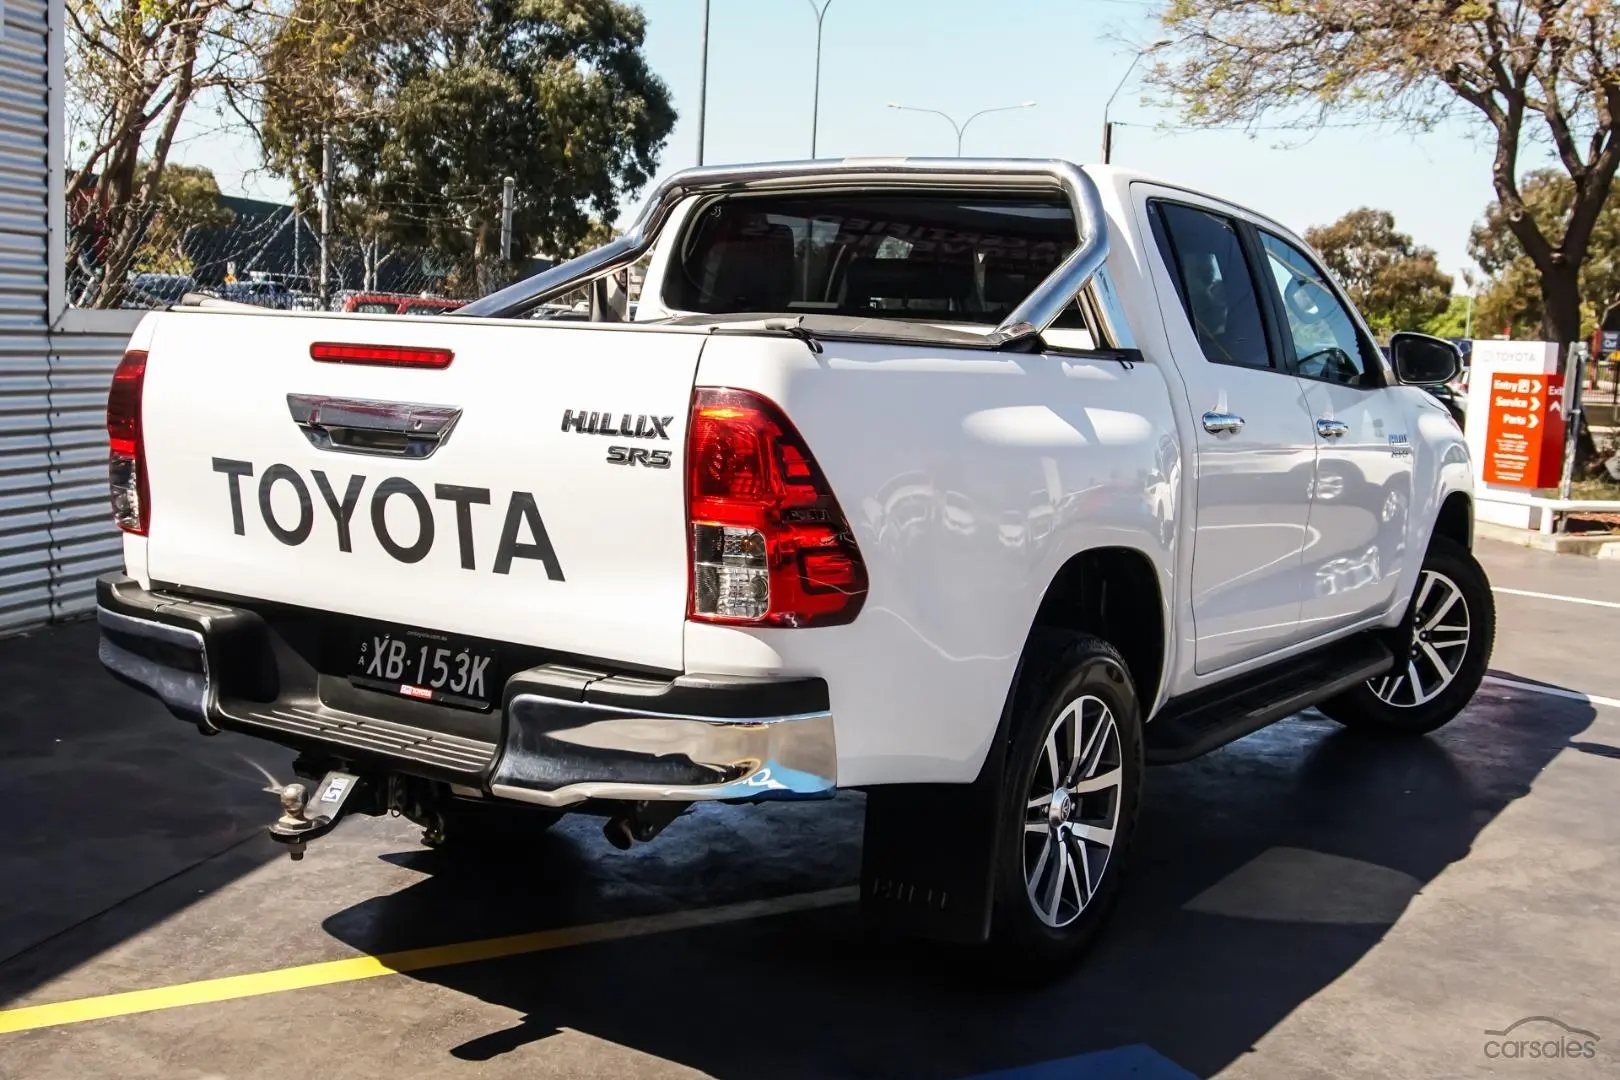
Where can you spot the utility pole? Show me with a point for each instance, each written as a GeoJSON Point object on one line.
{"type": "Point", "coordinates": [1575, 356]}
{"type": "Point", "coordinates": [325, 288]}
{"type": "Point", "coordinates": [508, 190]}
{"type": "Point", "coordinates": [1108, 128]}
{"type": "Point", "coordinates": [815, 101]}
{"type": "Point", "coordinates": [703, 81]}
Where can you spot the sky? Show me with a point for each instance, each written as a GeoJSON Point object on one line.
{"type": "Point", "coordinates": [960, 56]}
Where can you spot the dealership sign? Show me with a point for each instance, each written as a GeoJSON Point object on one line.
{"type": "Point", "coordinates": [1524, 436]}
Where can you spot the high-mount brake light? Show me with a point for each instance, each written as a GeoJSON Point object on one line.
{"type": "Point", "coordinates": [770, 545]}
{"type": "Point", "coordinates": [126, 449]}
{"type": "Point", "coordinates": [337, 352]}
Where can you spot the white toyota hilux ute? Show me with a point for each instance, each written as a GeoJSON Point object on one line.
{"type": "Point", "coordinates": [976, 486]}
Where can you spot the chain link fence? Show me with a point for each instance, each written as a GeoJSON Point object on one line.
{"type": "Point", "coordinates": [266, 254]}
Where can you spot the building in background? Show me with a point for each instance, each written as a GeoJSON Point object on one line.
{"type": "Point", "coordinates": [56, 533]}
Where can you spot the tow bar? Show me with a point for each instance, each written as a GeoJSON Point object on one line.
{"type": "Point", "coordinates": [303, 820]}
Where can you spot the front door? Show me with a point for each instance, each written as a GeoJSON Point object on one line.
{"type": "Point", "coordinates": [1362, 493]}
{"type": "Point", "coordinates": [1254, 444]}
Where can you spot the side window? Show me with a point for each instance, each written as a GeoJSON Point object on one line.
{"type": "Point", "coordinates": [1217, 291]}
{"type": "Point", "coordinates": [1321, 330]}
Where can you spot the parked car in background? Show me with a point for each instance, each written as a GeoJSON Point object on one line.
{"type": "Point", "coordinates": [157, 290]}
{"type": "Point", "coordinates": [394, 304]}
{"type": "Point", "coordinates": [260, 293]}
{"type": "Point", "coordinates": [1455, 400]}
{"type": "Point", "coordinates": [563, 314]}
{"type": "Point", "coordinates": [1454, 394]}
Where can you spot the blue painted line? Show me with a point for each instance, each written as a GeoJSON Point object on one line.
{"type": "Point", "coordinates": [1121, 1063]}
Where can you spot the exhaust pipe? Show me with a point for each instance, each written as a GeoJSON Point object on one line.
{"type": "Point", "coordinates": [641, 821]}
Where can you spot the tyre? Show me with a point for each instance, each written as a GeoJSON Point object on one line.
{"type": "Point", "coordinates": [1073, 785]}
{"type": "Point", "coordinates": [1446, 644]}
{"type": "Point", "coordinates": [476, 825]}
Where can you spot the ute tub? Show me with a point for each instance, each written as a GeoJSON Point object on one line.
{"type": "Point", "coordinates": [565, 731]}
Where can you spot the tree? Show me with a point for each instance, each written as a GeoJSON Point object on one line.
{"type": "Point", "coordinates": [186, 199]}
{"type": "Point", "coordinates": [428, 113]}
{"type": "Point", "coordinates": [1513, 298]}
{"type": "Point", "coordinates": [133, 69]}
{"type": "Point", "coordinates": [1396, 284]}
{"type": "Point", "coordinates": [1525, 70]}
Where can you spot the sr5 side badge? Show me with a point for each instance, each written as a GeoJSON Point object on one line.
{"type": "Point", "coordinates": [638, 455]}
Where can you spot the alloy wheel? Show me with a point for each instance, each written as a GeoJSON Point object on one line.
{"type": "Point", "coordinates": [1440, 635]}
{"type": "Point", "coordinates": [1072, 811]}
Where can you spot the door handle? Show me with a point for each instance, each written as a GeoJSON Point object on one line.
{"type": "Point", "coordinates": [382, 428]}
{"type": "Point", "coordinates": [1220, 423]}
{"type": "Point", "coordinates": [1332, 429]}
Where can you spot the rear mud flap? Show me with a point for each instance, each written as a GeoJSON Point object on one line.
{"type": "Point", "coordinates": [928, 860]}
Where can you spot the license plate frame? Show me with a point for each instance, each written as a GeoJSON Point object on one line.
{"type": "Point", "coordinates": [407, 662]}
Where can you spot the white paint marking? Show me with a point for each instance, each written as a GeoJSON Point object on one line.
{"type": "Point", "coordinates": [1556, 596]}
{"type": "Point", "coordinates": [1554, 691]}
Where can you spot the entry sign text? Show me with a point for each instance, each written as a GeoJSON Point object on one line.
{"type": "Point", "coordinates": [1524, 440]}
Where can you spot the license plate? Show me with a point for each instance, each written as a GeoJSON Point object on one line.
{"type": "Point", "coordinates": [427, 666]}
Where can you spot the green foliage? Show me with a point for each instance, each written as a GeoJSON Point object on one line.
{"type": "Point", "coordinates": [1452, 322]}
{"type": "Point", "coordinates": [1512, 299]}
{"type": "Point", "coordinates": [1396, 284]}
{"type": "Point", "coordinates": [430, 108]}
{"type": "Point", "coordinates": [186, 197]}
{"type": "Point", "coordinates": [1525, 71]}
{"type": "Point", "coordinates": [133, 68]}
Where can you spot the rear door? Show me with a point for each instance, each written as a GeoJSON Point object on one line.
{"type": "Point", "coordinates": [1254, 447]}
{"type": "Point", "coordinates": [531, 491]}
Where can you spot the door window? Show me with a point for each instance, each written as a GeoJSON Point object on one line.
{"type": "Point", "coordinates": [1320, 330]}
{"type": "Point", "coordinates": [1217, 290]}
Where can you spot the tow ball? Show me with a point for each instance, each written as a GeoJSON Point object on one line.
{"type": "Point", "coordinates": [305, 818]}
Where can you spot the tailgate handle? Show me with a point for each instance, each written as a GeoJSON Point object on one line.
{"type": "Point", "coordinates": [381, 428]}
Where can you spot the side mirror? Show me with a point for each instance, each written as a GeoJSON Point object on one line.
{"type": "Point", "coordinates": [1422, 360]}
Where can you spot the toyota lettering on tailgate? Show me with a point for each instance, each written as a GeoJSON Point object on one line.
{"type": "Point", "coordinates": [523, 533]}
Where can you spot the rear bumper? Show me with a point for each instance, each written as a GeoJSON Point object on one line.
{"type": "Point", "coordinates": [565, 733]}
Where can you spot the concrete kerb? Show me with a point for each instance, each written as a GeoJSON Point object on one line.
{"type": "Point", "coordinates": [1599, 547]}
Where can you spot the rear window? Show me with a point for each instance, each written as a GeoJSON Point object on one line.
{"type": "Point", "coordinates": [945, 257]}
{"type": "Point", "coordinates": [372, 307]}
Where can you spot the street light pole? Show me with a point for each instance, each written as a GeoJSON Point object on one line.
{"type": "Point", "coordinates": [815, 101]}
{"type": "Point", "coordinates": [961, 128]}
{"type": "Point", "coordinates": [1108, 128]}
{"type": "Point", "coordinates": [703, 81]}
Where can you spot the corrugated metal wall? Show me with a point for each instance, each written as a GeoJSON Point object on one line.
{"type": "Point", "coordinates": [84, 542]}
{"type": "Point", "coordinates": [55, 534]}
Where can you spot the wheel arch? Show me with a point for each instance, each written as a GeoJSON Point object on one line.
{"type": "Point", "coordinates": [1455, 521]}
{"type": "Point", "coordinates": [1114, 593]}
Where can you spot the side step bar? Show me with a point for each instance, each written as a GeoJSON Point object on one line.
{"type": "Point", "coordinates": [1193, 725]}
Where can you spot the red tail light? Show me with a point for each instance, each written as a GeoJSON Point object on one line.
{"type": "Point", "coordinates": [770, 546]}
{"type": "Point", "coordinates": [126, 450]}
{"type": "Point", "coordinates": [336, 352]}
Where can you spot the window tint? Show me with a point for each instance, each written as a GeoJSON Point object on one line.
{"type": "Point", "coordinates": [1321, 331]}
{"type": "Point", "coordinates": [939, 257]}
{"type": "Point", "coordinates": [1217, 291]}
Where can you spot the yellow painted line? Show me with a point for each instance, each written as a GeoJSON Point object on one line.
{"type": "Point", "coordinates": [369, 967]}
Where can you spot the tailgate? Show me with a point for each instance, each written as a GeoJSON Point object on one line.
{"type": "Point", "coordinates": [521, 524]}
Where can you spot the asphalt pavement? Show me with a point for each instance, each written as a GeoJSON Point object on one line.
{"type": "Point", "coordinates": [1304, 903]}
